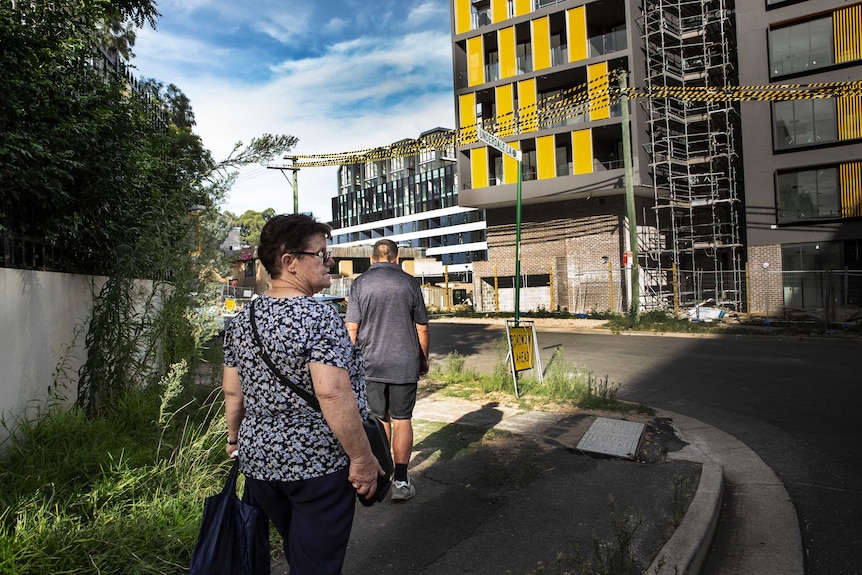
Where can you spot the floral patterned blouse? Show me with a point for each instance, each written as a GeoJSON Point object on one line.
{"type": "Point", "coordinates": [281, 437]}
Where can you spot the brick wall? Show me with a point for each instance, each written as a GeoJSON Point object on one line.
{"type": "Point", "coordinates": [766, 286]}
{"type": "Point", "coordinates": [566, 240]}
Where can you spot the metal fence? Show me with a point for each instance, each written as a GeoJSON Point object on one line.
{"type": "Point", "coordinates": [812, 295]}
{"type": "Point", "coordinates": [817, 295]}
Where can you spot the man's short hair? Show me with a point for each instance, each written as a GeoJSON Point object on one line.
{"type": "Point", "coordinates": [385, 251]}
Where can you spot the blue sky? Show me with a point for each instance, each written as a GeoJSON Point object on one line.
{"type": "Point", "coordinates": [339, 75]}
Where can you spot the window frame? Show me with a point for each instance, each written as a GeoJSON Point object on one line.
{"type": "Point", "coordinates": [819, 219]}
{"type": "Point", "coordinates": [815, 121]}
{"type": "Point", "coordinates": [793, 29]}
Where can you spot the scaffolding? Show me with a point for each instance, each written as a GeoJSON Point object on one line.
{"type": "Point", "coordinates": [693, 156]}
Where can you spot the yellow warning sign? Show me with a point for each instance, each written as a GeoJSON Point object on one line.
{"type": "Point", "coordinates": [230, 304]}
{"type": "Point", "coordinates": [521, 344]}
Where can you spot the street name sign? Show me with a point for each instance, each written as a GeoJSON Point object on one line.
{"type": "Point", "coordinates": [498, 144]}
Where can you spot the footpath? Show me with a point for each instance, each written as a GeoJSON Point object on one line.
{"type": "Point", "coordinates": [506, 491]}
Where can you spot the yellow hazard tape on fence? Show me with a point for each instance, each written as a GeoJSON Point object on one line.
{"type": "Point", "coordinates": [574, 102]}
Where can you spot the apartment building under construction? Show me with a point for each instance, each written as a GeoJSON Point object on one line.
{"type": "Point", "coordinates": [542, 76]}
{"type": "Point", "coordinates": [803, 158]}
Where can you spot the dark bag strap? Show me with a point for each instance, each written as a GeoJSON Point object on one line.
{"type": "Point", "coordinates": [309, 399]}
{"type": "Point", "coordinates": [230, 484]}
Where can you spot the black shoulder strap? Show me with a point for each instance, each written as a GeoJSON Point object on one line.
{"type": "Point", "coordinates": [309, 399]}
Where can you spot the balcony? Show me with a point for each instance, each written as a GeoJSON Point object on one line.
{"type": "Point", "coordinates": [607, 43]}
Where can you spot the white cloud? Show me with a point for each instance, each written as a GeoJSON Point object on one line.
{"type": "Point", "coordinates": [348, 93]}
{"type": "Point", "coordinates": [288, 27]}
{"type": "Point", "coordinates": [428, 12]}
{"type": "Point", "coordinates": [336, 25]}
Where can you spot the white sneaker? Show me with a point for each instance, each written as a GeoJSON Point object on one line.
{"type": "Point", "coordinates": [403, 490]}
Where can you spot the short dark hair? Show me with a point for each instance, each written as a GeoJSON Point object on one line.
{"type": "Point", "coordinates": [287, 233]}
{"type": "Point", "coordinates": [385, 250]}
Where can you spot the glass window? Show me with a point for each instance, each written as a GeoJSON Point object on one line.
{"type": "Point", "coordinates": [802, 288]}
{"type": "Point", "coordinates": [524, 55]}
{"type": "Point", "coordinates": [803, 123]}
{"type": "Point", "coordinates": [801, 47]}
{"type": "Point", "coordinates": [808, 195]}
{"type": "Point", "coordinates": [492, 66]}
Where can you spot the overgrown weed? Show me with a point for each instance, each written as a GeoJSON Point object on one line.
{"type": "Point", "coordinates": [615, 556]}
{"type": "Point", "coordinates": [119, 492]}
{"type": "Point", "coordinates": [680, 499]}
{"type": "Point", "coordinates": [564, 383]}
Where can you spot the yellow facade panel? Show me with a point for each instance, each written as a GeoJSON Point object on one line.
{"type": "Point", "coordinates": [849, 117]}
{"type": "Point", "coordinates": [479, 167]}
{"type": "Point", "coordinates": [499, 10]}
{"type": "Point", "coordinates": [475, 61]}
{"type": "Point", "coordinates": [597, 88]}
{"type": "Point", "coordinates": [847, 34]}
{"type": "Point", "coordinates": [851, 189]}
{"type": "Point", "coordinates": [541, 32]}
{"type": "Point", "coordinates": [467, 118]}
{"type": "Point", "coordinates": [527, 112]}
{"type": "Point", "coordinates": [508, 58]}
{"type": "Point", "coordinates": [463, 20]}
{"type": "Point", "coordinates": [505, 109]}
{"type": "Point", "coordinates": [546, 158]}
{"type": "Point", "coordinates": [582, 152]}
{"type": "Point", "coordinates": [523, 7]}
{"type": "Point", "coordinates": [577, 33]}
{"type": "Point", "coordinates": [510, 166]}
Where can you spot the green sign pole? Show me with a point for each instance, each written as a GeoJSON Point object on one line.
{"type": "Point", "coordinates": [499, 144]}
{"type": "Point", "coordinates": [518, 249]}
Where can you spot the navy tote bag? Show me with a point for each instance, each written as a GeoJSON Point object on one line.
{"type": "Point", "coordinates": [234, 535]}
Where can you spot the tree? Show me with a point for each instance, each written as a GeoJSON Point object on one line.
{"type": "Point", "coordinates": [107, 174]}
{"type": "Point", "coordinates": [251, 223]}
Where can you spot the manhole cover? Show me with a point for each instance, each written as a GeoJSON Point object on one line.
{"type": "Point", "coordinates": [613, 437]}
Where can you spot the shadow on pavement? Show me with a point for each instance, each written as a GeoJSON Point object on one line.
{"type": "Point", "coordinates": [496, 503]}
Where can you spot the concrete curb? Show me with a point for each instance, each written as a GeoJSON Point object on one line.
{"type": "Point", "coordinates": [765, 538]}
{"type": "Point", "coordinates": [686, 550]}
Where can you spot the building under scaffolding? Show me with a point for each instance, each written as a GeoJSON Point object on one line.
{"type": "Point", "coordinates": [697, 251]}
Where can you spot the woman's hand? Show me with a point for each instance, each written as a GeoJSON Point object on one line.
{"type": "Point", "coordinates": [363, 476]}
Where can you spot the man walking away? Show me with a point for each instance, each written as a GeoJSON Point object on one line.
{"type": "Point", "coordinates": [387, 321]}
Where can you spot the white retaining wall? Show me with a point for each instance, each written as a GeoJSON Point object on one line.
{"type": "Point", "coordinates": [43, 318]}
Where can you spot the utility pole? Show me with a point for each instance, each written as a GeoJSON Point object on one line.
{"type": "Point", "coordinates": [294, 184]}
{"type": "Point", "coordinates": [631, 214]}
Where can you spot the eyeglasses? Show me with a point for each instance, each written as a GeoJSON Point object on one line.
{"type": "Point", "coordinates": [321, 254]}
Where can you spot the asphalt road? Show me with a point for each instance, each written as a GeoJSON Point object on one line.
{"type": "Point", "coordinates": [795, 401]}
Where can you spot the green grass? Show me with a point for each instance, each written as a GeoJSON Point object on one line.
{"type": "Point", "coordinates": [663, 322]}
{"type": "Point", "coordinates": [564, 383]}
{"type": "Point", "coordinates": [118, 493]}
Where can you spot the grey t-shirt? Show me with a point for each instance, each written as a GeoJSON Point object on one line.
{"type": "Point", "coordinates": [386, 302]}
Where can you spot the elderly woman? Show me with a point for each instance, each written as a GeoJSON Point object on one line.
{"type": "Point", "coordinates": [303, 467]}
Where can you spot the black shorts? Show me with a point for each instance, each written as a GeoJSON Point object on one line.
{"type": "Point", "coordinates": [391, 400]}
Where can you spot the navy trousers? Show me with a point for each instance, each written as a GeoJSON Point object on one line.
{"type": "Point", "coordinates": [313, 516]}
